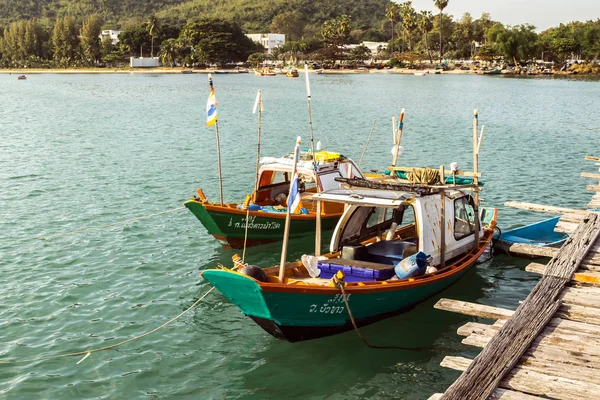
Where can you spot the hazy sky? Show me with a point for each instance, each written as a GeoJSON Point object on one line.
{"type": "Point", "coordinates": [542, 14]}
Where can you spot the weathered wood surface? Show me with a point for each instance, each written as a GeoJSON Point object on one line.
{"type": "Point", "coordinates": [590, 175]}
{"type": "Point", "coordinates": [590, 158]}
{"type": "Point", "coordinates": [476, 310]}
{"type": "Point", "coordinates": [506, 347]}
{"type": "Point", "coordinates": [531, 250]}
{"type": "Point", "coordinates": [543, 208]}
{"type": "Point", "coordinates": [593, 188]}
{"type": "Point", "coordinates": [500, 394]}
{"type": "Point", "coordinates": [582, 316]}
{"type": "Point", "coordinates": [566, 262]}
{"type": "Point", "coordinates": [566, 339]}
{"type": "Point", "coordinates": [589, 275]}
{"type": "Point", "coordinates": [532, 380]}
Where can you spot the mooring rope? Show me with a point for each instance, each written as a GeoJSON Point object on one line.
{"type": "Point", "coordinates": [107, 225]}
{"type": "Point", "coordinates": [87, 353]}
{"type": "Point", "coordinates": [340, 284]}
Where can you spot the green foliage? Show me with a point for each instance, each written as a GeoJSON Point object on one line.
{"type": "Point", "coordinates": [90, 39]}
{"type": "Point", "coordinates": [170, 52]}
{"type": "Point", "coordinates": [256, 58]}
{"type": "Point", "coordinates": [215, 41]}
{"type": "Point", "coordinates": [360, 53]}
{"type": "Point", "coordinates": [135, 40]}
{"type": "Point", "coordinates": [65, 41]}
{"type": "Point", "coordinates": [519, 42]}
{"type": "Point", "coordinates": [575, 39]}
{"type": "Point", "coordinates": [289, 23]}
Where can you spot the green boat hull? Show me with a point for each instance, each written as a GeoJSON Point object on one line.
{"type": "Point", "coordinates": [230, 227]}
{"type": "Point", "coordinates": [296, 316]}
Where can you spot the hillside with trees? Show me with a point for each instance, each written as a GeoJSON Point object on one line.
{"type": "Point", "coordinates": [193, 33]}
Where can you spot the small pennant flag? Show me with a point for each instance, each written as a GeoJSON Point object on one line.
{"type": "Point", "coordinates": [294, 202]}
{"type": "Point", "coordinates": [211, 105]}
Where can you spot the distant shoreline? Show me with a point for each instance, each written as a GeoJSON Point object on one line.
{"type": "Point", "coordinates": [391, 71]}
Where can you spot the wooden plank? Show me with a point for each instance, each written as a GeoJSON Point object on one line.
{"type": "Point", "coordinates": [565, 227]}
{"type": "Point", "coordinates": [574, 372]}
{"type": "Point", "coordinates": [584, 342]}
{"type": "Point", "coordinates": [582, 315]}
{"type": "Point", "coordinates": [487, 370]}
{"type": "Point", "coordinates": [589, 276]}
{"type": "Point", "coordinates": [590, 158]}
{"type": "Point", "coordinates": [530, 380]}
{"type": "Point", "coordinates": [567, 261]}
{"type": "Point", "coordinates": [543, 208]}
{"type": "Point", "coordinates": [531, 250]}
{"type": "Point", "coordinates": [590, 175]}
{"type": "Point", "coordinates": [593, 188]}
{"type": "Point", "coordinates": [574, 217]}
{"type": "Point", "coordinates": [500, 394]}
{"type": "Point", "coordinates": [476, 310]}
{"type": "Point", "coordinates": [544, 352]}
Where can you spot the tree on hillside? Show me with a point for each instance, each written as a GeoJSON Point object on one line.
{"type": "Point", "coordinates": [135, 40]}
{"type": "Point", "coordinates": [392, 13]}
{"type": "Point", "coordinates": [519, 42]}
{"type": "Point", "coordinates": [425, 24]}
{"type": "Point", "coordinates": [90, 39]}
{"type": "Point", "coordinates": [409, 21]}
{"type": "Point", "coordinates": [463, 36]}
{"type": "Point", "coordinates": [336, 32]}
{"type": "Point", "coordinates": [170, 52]}
{"type": "Point", "coordinates": [65, 41]}
{"type": "Point", "coordinates": [152, 27]}
{"type": "Point", "coordinates": [289, 23]}
{"type": "Point", "coordinates": [216, 41]}
{"type": "Point", "coordinates": [360, 53]}
{"type": "Point", "coordinates": [441, 4]}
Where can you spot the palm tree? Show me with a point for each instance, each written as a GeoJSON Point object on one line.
{"type": "Point", "coordinates": [441, 4]}
{"type": "Point", "coordinates": [169, 51]}
{"type": "Point", "coordinates": [152, 24]}
{"type": "Point", "coordinates": [425, 25]}
{"type": "Point", "coordinates": [392, 13]}
{"type": "Point", "coordinates": [409, 20]}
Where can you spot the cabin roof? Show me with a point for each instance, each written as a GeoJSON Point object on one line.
{"type": "Point", "coordinates": [365, 197]}
{"type": "Point", "coordinates": [306, 167]}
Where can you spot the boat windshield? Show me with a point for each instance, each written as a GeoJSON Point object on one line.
{"type": "Point", "coordinates": [368, 222]}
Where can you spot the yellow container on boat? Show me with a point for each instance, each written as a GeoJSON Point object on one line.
{"type": "Point", "coordinates": [325, 156]}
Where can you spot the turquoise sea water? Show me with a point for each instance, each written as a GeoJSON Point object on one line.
{"type": "Point", "coordinates": [80, 151]}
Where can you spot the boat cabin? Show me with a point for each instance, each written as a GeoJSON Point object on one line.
{"type": "Point", "coordinates": [275, 174]}
{"type": "Point", "coordinates": [386, 226]}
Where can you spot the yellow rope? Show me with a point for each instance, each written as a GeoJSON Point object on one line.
{"type": "Point", "coordinates": [107, 225]}
{"type": "Point", "coordinates": [87, 353]}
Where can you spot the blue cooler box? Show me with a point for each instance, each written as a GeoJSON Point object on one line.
{"type": "Point", "coordinates": [354, 274]}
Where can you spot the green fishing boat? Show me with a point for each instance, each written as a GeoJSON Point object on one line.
{"type": "Point", "coordinates": [397, 243]}
{"type": "Point", "coordinates": [379, 230]}
{"type": "Point", "coordinates": [264, 213]}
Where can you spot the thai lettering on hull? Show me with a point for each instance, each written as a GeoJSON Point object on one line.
{"type": "Point", "coordinates": [256, 225]}
{"type": "Point", "coordinates": [335, 305]}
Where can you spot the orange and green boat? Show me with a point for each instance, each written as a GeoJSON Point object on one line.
{"type": "Point", "coordinates": [379, 230]}
{"type": "Point", "coordinates": [265, 213]}
{"type": "Point", "coordinates": [398, 242]}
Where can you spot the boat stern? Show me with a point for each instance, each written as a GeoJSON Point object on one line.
{"type": "Point", "coordinates": [241, 290]}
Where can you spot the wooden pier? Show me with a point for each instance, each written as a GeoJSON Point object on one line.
{"type": "Point", "coordinates": [550, 345]}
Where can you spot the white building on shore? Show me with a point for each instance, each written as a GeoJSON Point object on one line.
{"type": "Point", "coordinates": [113, 35]}
{"type": "Point", "coordinates": [144, 62]}
{"type": "Point", "coordinates": [268, 40]}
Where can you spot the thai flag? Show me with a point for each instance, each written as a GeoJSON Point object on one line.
{"type": "Point", "coordinates": [294, 202]}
